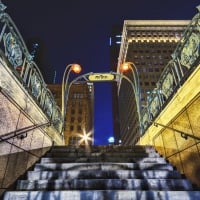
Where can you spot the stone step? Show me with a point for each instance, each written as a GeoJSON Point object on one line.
{"type": "Point", "coordinates": [107, 154]}
{"type": "Point", "coordinates": [106, 184]}
{"type": "Point", "coordinates": [104, 149]}
{"type": "Point", "coordinates": [102, 195]}
{"type": "Point", "coordinates": [102, 159]}
{"type": "Point", "coordinates": [102, 166]}
{"type": "Point", "coordinates": [75, 150]}
{"type": "Point", "coordinates": [137, 154]}
{"type": "Point", "coordinates": [105, 174]}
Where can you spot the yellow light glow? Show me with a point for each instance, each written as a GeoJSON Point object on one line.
{"type": "Point", "coordinates": [85, 138]}
{"type": "Point", "coordinates": [124, 67]}
{"type": "Point", "coordinates": [76, 68]}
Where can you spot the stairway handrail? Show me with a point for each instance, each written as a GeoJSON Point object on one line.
{"type": "Point", "coordinates": [183, 134]}
{"type": "Point", "coordinates": [21, 131]}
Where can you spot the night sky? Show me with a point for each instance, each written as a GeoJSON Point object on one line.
{"type": "Point", "coordinates": [77, 31]}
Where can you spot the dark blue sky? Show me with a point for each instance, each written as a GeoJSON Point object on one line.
{"type": "Point", "coordinates": [78, 31]}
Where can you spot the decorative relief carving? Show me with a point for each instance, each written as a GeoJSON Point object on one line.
{"type": "Point", "coordinates": [190, 51]}
{"type": "Point", "coordinates": [167, 85]}
{"type": "Point", "coordinates": [145, 120]}
{"type": "Point", "coordinates": [154, 106]}
{"type": "Point", "coordinates": [12, 50]}
{"type": "Point", "coordinates": [36, 85]}
{"type": "Point", "coordinates": [57, 121]}
{"type": "Point", "coordinates": [48, 105]}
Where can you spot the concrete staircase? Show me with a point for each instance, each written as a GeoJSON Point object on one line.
{"type": "Point", "coordinates": [103, 173]}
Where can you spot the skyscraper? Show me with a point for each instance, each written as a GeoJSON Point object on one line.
{"type": "Point", "coordinates": [148, 44]}
{"type": "Point", "coordinates": [79, 126]}
{"type": "Point", "coordinates": [79, 118]}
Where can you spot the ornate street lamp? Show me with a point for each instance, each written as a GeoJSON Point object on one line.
{"type": "Point", "coordinates": [76, 68]}
{"type": "Point", "coordinates": [131, 66]}
{"type": "Point", "coordinates": [124, 67]}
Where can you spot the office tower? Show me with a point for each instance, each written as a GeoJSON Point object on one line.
{"type": "Point", "coordinates": [56, 90]}
{"type": "Point", "coordinates": [79, 125]}
{"type": "Point", "coordinates": [148, 44]}
{"type": "Point", "coordinates": [79, 118]}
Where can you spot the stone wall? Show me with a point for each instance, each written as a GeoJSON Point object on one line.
{"type": "Point", "coordinates": [181, 113]}
{"type": "Point", "coordinates": [17, 154]}
{"type": "Point", "coordinates": [183, 153]}
{"type": "Point", "coordinates": [19, 111]}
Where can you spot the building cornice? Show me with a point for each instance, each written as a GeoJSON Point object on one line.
{"type": "Point", "coordinates": [156, 22]}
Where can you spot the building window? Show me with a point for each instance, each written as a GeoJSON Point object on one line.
{"type": "Point", "coordinates": [79, 119]}
{"type": "Point", "coordinates": [72, 120]}
{"type": "Point", "coordinates": [150, 69]}
{"type": "Point", "coordinates": [72, 111]}
{"type": "Point", "coordinates": [78, 128]}
{"type": "Point", "coordinates": [78, 95]}
{"type": "Point", "coordinates": [71, 128]}
{"type": "Point", "coordinates": [80, 111]}
{"type": "Point", "coordinates": [74, 141]}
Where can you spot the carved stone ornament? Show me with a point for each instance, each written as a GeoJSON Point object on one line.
{"type": "Point", "coordinates": [190, 51]}
{"type": "Point", "coordinates": [2, 7]}
{"type": "Point", "coordinates": [57, 121]}
{"type": "Point", "coordinates": [167, 85]}
{"type": "Point", "coordinates": [48, 106]}
{"type": "Point", "coordinates": [154, 106]}
{"type": "Point", "coordinates": [12, 50]}
{"type": "Point", "coordinates": [198, 25]}
{"type": "Point", "coordinates": [145, 120]}
{"type": "Point", "coordinates": [36, 85]}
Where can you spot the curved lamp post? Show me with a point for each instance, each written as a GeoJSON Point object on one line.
{"type": "Point", "coordinates": [126, 66]}
{"type": "Point", "coordinates": [76, 68]}
{"type": "Point", "coordinates": [131, 66]}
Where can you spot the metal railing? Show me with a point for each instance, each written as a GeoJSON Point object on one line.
{"type": "Point", "coordinates": [21, 133]}
{"type": "Point", "coordinates": [185, 58]}
{"type": "Point", "coordinates": [20, 61]}
{"type": "Point", "coordinates": [182, 133]}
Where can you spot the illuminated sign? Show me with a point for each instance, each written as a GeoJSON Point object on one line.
{"type": "Point", "coordinates": [101, 77]}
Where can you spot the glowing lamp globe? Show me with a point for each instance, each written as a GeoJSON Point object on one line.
{"type": "Point", "coordinates": [124, 67]}
{"type": "Point", "coordinates": [76, 68]}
